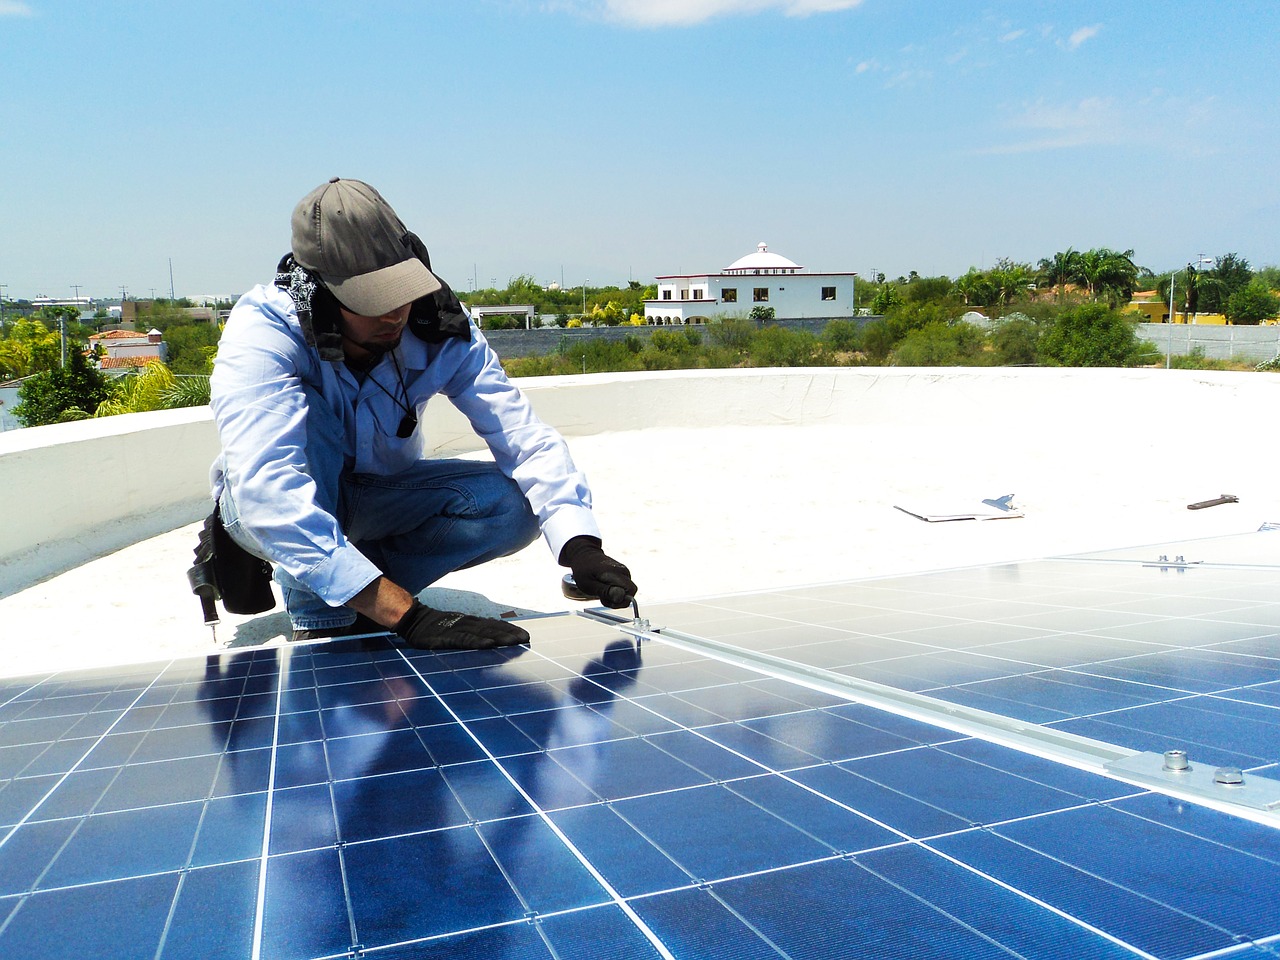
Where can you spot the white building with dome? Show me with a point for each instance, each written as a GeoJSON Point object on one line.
{"type": "Point", "coordinates": [760, 279]}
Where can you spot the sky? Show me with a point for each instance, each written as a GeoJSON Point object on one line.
{"type": "Point", "coordinates": [600, 141]}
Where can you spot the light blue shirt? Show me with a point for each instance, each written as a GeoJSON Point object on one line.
{"type": "Point", "coordinates": [265, 379]}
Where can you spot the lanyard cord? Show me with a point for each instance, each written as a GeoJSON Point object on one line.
{"type": "Point", "coordinates": [409, 422]}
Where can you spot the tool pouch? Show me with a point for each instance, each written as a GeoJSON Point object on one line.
{"type": "Point", "coordinates": [226, 571]}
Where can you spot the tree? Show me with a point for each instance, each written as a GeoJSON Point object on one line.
{"type": "Point", "coordinates": [761, 314]}
{"type": "Point", "coordinates": [1091, 335]}
{"type": "Point", "coordinates": [30, 347]}
{"type": "Point", "coordinates": [1060, 269]}
{"type": "Point", "coordinates": [1108, 272]}
{"type": "Point", "coordinates": [976, 288]}
{"type": "Point", "coordinates": [192, 347]}
{"type": "Point", "coordinates": [62, 393]}
{"type": "Point", "coordinates": [1232, 274]}
{"type": "Point", "coordinates": [1252, 304]}
{"type": "Point", "coordinates": [1015, 340]}
{"type": "Point", "coordinates": [886, 298]}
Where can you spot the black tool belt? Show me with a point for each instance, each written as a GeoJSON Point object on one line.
{"type": "Point", "coordinates": [226, 571]}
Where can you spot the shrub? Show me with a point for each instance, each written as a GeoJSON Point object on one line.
{"type": "Point", "coordinates": [1091, 335]}
{"type": "Point", "coordinates": [780, 347]}
{"type": "Point", "coordinates": [842, 336]}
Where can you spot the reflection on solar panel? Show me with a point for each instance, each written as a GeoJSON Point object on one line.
{"type": "Point", "coordinates": [597, 796]}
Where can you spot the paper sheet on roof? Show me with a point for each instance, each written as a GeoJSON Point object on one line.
{"type": "Point", "coordinates": [994, 508]}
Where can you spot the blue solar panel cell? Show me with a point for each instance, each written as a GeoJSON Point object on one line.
{"type": "Point", "coordinates": [213, 914]}
{"type": "Point", "coordinates": [1002, 914]}
{"type": "Point", "coordinates": [903, 813]}
{"type": "Point", "coordinates": [426, 885]}
{"type": "Point", "coordinates": [631, 864]}
{"type": "Point", "coordinates": [305, 907]}
{"type": "Point", "coordinates": [841, 830]}
{"type": "Point", "coordinates": [1109, 871]}
{"type": "Point", "coordinates": [110, 921]}
{"type": "Point", "coordinates": [160, 839]}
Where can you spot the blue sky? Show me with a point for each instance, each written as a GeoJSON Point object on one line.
{"type": "Point", "coordinates": [605, 140]}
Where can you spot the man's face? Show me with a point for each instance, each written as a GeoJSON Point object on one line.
{"type": "Point", "coordinates": [364, 337]}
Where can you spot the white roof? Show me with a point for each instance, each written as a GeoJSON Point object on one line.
{"type": "Point", "coordinates": [762, 259]}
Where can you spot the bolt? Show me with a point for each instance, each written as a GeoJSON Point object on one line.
{"type": "Point", "coordinates": [1175, 761]}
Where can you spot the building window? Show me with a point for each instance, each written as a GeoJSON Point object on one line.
{"type": "Point", "coordinates": [828, 293]}
{"type": "Point", "coordinates": [760, 295]}
{"type": "Point", "coordinates": [697, 294]}
{"type": "Point", "coordinates": [729, 294]}
{"type": "Point", "coordinates": [666, 294]}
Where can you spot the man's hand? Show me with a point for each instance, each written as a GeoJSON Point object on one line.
{"type": "Point", "coordinates": [598, 574]}
{"type": "Point", "coordinates": [428, 629]}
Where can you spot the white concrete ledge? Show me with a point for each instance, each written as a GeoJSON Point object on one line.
{"type": "Point", "coordinates": [76, 491]}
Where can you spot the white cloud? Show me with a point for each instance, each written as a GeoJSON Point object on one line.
{"type": "Point", "coordinates": [661, 13]}
{"type": "Point", "coordinates": [1088, 122]}
{"type": "Point", "coordinates": [15, 8]}
{"type": "Point", "coordinates": [1083, 34]}
{"type": "Point", "coordinates": [1012, 35]}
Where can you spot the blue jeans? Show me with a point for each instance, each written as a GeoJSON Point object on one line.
{"type": "Point", "coordinates": [415, 526]}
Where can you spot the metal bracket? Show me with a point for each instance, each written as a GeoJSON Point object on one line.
{"type": "Point", "coordinates": [1198, 782]}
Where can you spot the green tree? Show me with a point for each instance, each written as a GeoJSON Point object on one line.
{"type": "Point", "coordinates": [192, 347]}
{"type": "Point", "coordinates": [1108, 273]}
{"type": "Point", "coordinates": [761, 314]}
{"type": "Point", "coordinates": [1059, 270]}
{"type": "Point", "coordinates": [976, 288]}
{"type": "Point", "coordinates": [889, 296]}
{"type": "Point", "coordinates": [1252, 304]}
{"type": "Point", "coordinates": [1232, 274]}
{"type": "Point", "coordinates": [1091, 335]}
{"type": "Point", "coordinates": [1015, 340]}
{"type": "Point", "coordinates": [29, 347]}
{"type": "Point", "coordinates": [62, 393]}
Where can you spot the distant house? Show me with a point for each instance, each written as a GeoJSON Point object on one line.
{"type": "Point", "coordinates": [127, 351]}
{"type": "Point", "coordinates": [760, 279]}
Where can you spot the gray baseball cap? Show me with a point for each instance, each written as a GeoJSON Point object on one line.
{"type": "Point", "coordinates": [344, 231]}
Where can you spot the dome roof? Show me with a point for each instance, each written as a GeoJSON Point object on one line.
{"type": "Point", "coordinates": [762, 259]}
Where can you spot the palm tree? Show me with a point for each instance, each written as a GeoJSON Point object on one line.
{"type": "Point", "coordinates": [1105, 269]}
{"type": "Point", "coordinates": [1060, 269]}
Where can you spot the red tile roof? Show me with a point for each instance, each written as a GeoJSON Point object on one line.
{"type": "Point", "coordinates": [110, 363]}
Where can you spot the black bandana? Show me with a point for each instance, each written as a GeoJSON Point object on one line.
{"type": "Point", "coordinates": [432, 319]}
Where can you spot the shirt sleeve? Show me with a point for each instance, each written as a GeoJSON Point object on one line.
{"type": "Point", "coordinates": [260, 403]}
{"type": "Point", "coordinates": [527, 450]}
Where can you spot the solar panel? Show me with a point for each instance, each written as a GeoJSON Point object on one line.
{"type": "Point", "coordinates": [602, 795]}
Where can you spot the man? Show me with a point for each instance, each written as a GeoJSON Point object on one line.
{"type": "Point", "coordinates": [317, 391]}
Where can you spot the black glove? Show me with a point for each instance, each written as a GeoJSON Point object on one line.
{"type": "Point", "coordinates": [428, 629]}
{"type": "Point", "coordinates": [598, 574]}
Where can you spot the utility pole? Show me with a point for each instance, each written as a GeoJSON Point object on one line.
{"type": "Point", "coordinates": [2, 286]}
{"type": "Point", "coordinates": [171, 296]}
{"type": "Point", "coordinates": [76, 288]}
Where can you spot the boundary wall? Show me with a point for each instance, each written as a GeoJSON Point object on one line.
{"type": "Point", "coordinates": [1248, 343]}
{"type": "Point", "coordinates": [76, 491]}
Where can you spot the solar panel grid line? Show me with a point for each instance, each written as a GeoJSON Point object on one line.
{"type": "Point", "coordinates": [573, 849]}
{"type": "Point", "coordinates": [259, 910]}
